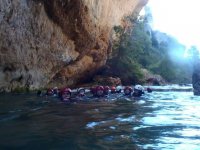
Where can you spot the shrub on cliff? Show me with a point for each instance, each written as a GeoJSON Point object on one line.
{"type": "Point", "coordinates": [140, 47]}
{"type": "Point", "coordinates": [122, 63]}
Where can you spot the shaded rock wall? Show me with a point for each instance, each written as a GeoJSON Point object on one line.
{"type": "Point", "coordinates": [56, 42]}
{"type": "Point", "coordinates": [196, 76]}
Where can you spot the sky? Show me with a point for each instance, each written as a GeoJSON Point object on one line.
{"type": "Point", "coordinates": [179, 18]}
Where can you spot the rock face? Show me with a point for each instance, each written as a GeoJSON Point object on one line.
{"type": "Point", "coordinates": [110, 81]}
{"type": "Point", "coordinates": [152, 79]}
{"type": "Point", "coordinates": [56, 42]}
{"type": "Point", "coordinates": [196, 77]}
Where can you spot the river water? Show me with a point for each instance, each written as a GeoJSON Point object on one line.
{"type": "Point", "coordinates": [162, 120]}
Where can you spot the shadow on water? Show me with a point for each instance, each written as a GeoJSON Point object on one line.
{"type": "Point", "coordinates": [160, 120]}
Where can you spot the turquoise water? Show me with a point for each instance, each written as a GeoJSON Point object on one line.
{"type": "Point", "coordinates": [159, 120]}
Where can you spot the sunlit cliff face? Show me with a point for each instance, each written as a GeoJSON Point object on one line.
{"type": "Point", "coordinates": [48, 42]}
{"type": "Point", "coordinates": [111, 12]}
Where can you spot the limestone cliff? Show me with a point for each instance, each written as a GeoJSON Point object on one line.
{"type": "Point", "coordinates": [56, 42]}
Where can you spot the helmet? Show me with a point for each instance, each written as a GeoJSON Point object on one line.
{"type": "Point", "coordinates": [113, 89]}
{"type": "Point", "coordinates": [55, 90]}
{"type": "Point", "coordinates": [65, 94]}
{"type": "Point", "coordinates": [149, 90]}
{"type": "Point", "coordinates": [128, 90]}
{"type": "Point", "coordinates": [106, 90]}
{"type": "Point", "coordinates": [139, 87]}
{"type": "Point", "coordinates": [138, 91]}
{"type": "Point", "coordinates": [50, 92]}
{"type": "Point", "coordinates": [81, 91]}
{"type": "Point", "coordinates": [118, 89]}
{"type": "Point", "coordinates": [99, 91]}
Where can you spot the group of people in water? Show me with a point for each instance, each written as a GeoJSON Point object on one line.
{"type": "Point", "coordinates": [65, 94]}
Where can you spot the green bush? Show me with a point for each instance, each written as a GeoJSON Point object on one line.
{"type": "Point", "coordinates": [139, 48]}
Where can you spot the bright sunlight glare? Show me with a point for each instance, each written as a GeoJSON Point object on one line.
{"type": "Point", "coordinates": [178, 18]}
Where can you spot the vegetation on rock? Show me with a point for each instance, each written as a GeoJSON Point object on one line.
{"type": "Point", "coordinates": [139, 47]}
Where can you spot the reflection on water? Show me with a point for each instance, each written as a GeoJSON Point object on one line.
{"type": "Point", "coordinates": [160, 120]}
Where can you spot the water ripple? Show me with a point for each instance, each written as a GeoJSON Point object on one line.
{"type": "Point", "coordinates": [158, 120]}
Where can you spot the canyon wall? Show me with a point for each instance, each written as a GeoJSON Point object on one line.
{"type": "Point", "coordinates": [56, 42]}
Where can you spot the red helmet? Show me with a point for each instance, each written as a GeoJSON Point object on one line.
{"type": "Point", "coordinates": [106, 90]}
{"type": "Point", "coordinates": [128, 90]}
{"type": "Point", "coordinates": [66, 90]}
{"type": "Point", "coordinates": [113, 89]}
{"type": "Point", "coordinates": [99, 91]}
{"type": "Point", "coordinates": [50, 92]}
{"type": "Point", "coordinates": [66, 94]}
